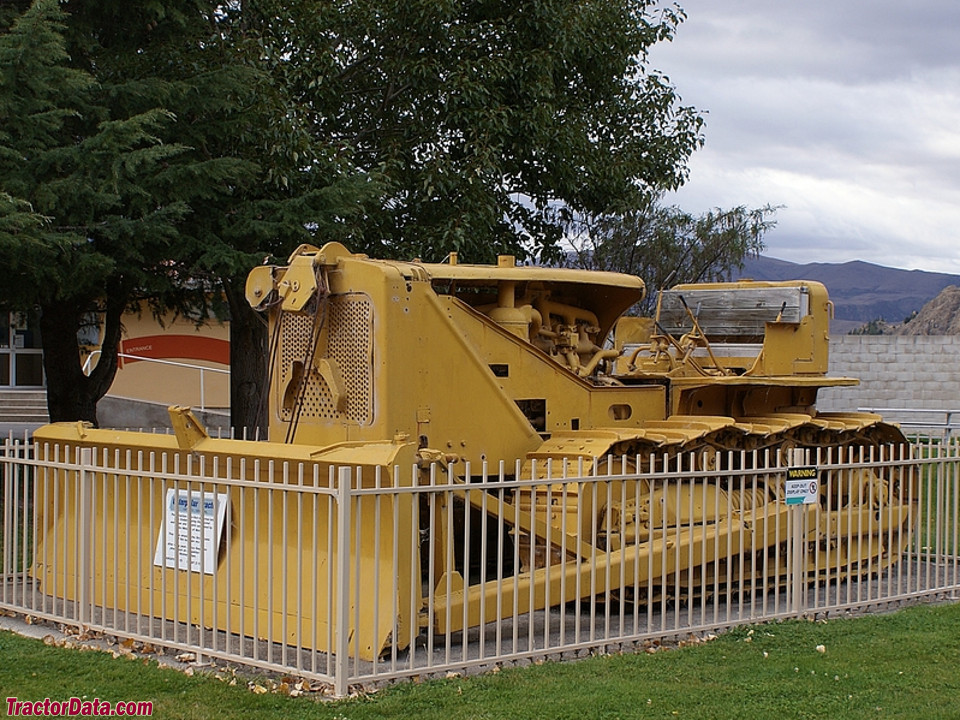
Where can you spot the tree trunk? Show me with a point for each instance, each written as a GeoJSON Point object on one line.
{"type": "Point", "coordinates": [59, 322]}
{"type": "Point", "coordinates": [71, 395]}
{"type": "Point", "coordinates": [248, 364]}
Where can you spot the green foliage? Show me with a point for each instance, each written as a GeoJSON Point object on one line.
{"type": "Point", "coordinates": [489, 121]}
{"type": "Point", "coordinates": [145, 151]}
{"type": "Point", "coordinates": [666, 246]}
{"type": "Point", "coordinates": [40, 102]}
{"type": "Point", "coordinates": [17, 218]}
{"type": "Point", "coordinates": [877, 326]}
{"type": "Point", "coordinates": [101, 173]}
{"type": "Point", "coordinates": [104, 178]}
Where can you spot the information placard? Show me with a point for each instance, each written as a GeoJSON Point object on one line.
{"type": "Point", "coordinates": [802, 487]}
{"type": "Point", "coordinates": [193, 525]}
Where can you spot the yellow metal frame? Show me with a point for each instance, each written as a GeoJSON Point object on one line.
{"type": "Point", "coordinates": [249, 593]}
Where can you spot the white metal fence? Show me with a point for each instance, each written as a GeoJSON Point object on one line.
{"type": "Point", "coordinates": [921, 422]}
{"type": "Point", "coordinates": [346, 577]}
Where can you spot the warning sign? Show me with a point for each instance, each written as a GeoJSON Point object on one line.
{"type": "Point", "coordinates": [802, 486]}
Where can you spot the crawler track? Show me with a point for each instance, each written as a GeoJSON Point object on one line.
{"type": "Point", "coordinates": [726, 532]}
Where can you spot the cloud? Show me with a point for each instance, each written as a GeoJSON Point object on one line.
{"type": "Point", "coordinates": [845, 113]}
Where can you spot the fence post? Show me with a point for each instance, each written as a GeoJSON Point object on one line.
{"type": "Point", "coordinates": [85, 539]}
{"type": "Point", "coordinates": [341, 616]}
{"type": "Point", "coordinates": [7, 563]}
{"type": "Point", "coordinates": [798, 516]}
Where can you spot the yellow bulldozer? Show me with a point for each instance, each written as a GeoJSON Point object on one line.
{"type": "Point", "coordinates": [377, 365]}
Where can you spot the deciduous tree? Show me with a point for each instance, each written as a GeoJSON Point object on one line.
{"type": "Point", "coordinates": [493, 122]}
{"type": "Point", "coordinates": [665, 245]}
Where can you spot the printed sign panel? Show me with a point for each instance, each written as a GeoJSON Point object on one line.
{"type": "Point", "coordinates": [193, 526]}
{"type": "Point", "coordinates": [802, 486]}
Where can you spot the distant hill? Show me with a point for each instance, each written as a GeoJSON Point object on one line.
{"type": "Point", "coordinates": [860, 291]}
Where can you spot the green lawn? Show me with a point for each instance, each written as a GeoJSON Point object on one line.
{"type": "Point", "coordinates": [904, 665]}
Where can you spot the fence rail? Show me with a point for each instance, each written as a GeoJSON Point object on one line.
{"type": "Point", "coordinates": [916, 421]}
{"type": "Point", "coordinates": [346, 575]}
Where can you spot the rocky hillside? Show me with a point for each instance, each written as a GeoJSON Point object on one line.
{"type": "Point", "coordinates": [940, 316]}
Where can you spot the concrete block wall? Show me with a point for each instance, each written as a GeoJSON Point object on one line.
{"type": "Point", "coordinates": [918, 372]}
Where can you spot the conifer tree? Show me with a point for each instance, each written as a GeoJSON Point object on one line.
{"type": "Point", "coordinates": [155, 160]}
{"type": "Point", "coordinates": [93, 187]}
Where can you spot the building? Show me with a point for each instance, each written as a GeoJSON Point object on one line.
{"type": "Point", "coordinates": [172, 361]}
{"type": "Point", "coordinates": [21, 359]}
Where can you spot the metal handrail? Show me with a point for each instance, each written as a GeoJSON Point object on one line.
{"type": "Point", "coordinates": [87, 368]}
{"type": "Point", "coordinates": [949, 424]}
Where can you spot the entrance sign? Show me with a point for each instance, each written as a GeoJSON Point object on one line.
{"type": "Point", "coordinates": [193, 526]}
{"type": "Point", "coordinates": [802, 487]}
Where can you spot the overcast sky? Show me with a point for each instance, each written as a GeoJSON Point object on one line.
{"type": "Point", "coordinates": [847, 113]}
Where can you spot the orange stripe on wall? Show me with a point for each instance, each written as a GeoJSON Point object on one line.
{"type": "Point", "coordinates": [184, 347]}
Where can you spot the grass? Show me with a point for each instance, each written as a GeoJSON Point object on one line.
{"type": "Point", "coordinates": [903, 665]}
{"type": "Point", "coordinates": [16, 498]}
